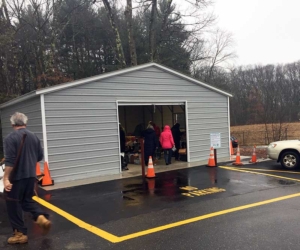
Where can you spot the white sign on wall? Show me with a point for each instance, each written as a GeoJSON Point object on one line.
{"type": "Point", "coordinates": [215, 140]}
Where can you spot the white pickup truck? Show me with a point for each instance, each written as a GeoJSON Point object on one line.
{"type": "Point", "coordinates": [285, 152]}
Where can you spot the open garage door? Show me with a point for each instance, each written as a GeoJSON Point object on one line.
{"type": "Point", "coordinates": [134, 117]}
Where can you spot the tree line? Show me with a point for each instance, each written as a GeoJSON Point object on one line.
{"type": "Point", "coordinates": [266, 95]}
{"type": "Point", "coordinates": [48, 42]}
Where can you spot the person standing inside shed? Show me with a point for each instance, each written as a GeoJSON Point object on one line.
{"type": "Point", "coordinates": [122, 134]}
{"type": "Point", "coordinates": [167, 143]}
{"type": "Point", "coordinates": [176, 136]}
{"type": "Point", "coordinates": [22, 150]}
{"type": "Point", "coordinates": [150, 144]}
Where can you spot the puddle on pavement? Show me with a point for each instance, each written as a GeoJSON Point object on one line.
{"type": "Point", "coordinates": [286, 182]}
{"type": "Point", "coordinates": [169, 185]}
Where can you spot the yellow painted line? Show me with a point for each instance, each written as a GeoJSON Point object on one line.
{"type": "Point", "coordinates": [103, 234]}
{"type": "Point", "coordinates": [251, 172]}
{"type": "Point", "coordinates": [115, 239]}
{"type": "Point", "coordinates": [206, 216]}
{"type": "Point", "coordinates": [269, 170]}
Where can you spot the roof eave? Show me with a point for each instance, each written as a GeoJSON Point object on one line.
{"type": "Point", "coordinates": [19, 99]}
{"type": "Point", "coordinates": [193, 80]}
{"type": "Point", "coordinates": [104, 76]}
{"type": "Point", "coordinates": [93, 78]}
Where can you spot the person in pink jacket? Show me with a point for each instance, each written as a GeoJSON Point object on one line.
{"type": "Point", "coordinates": [167, 143]}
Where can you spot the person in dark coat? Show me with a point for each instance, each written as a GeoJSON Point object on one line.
{"type": "Point", "coordinates": [139, 129]}
{"type": "Point", "coordinates": [20, 179]}
{"type": "Point", "coordinates": [122, 146]}
{"type": "Point", "coordinates": [150, 144]}
{"type": "Point", "coordinates": [122, 139]}
{"type": "Point", "coordinates": [176, 136]}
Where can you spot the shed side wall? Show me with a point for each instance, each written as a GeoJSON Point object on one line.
{"type": "Point", "coordinates": [32, 109]}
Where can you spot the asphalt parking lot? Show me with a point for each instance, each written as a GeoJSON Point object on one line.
{"type": "Point", "coordinates": [249, 207]}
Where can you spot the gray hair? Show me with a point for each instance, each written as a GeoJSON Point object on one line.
{"type": "Point", "coordinates": [18, 119]}
{"type": "Point", "coordinates": [150, 126]}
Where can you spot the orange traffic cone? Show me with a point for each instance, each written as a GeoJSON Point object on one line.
{"type": "Point", "coordinates": [254, 159]}
{"type": "Point", "coordinates": [47, 181]}
{"type": "Point", "coordinates": [151, 186]}
{"type": "Point", "coordinates": [211, 159]}
{"type": "Point", "coordinates": [38, 169]}
{"type": "Point", "coordinates": [150, 172]}
{"type": "Point", "coordinates": [47, 197]}
{"type": "Point", "coordinates": [238, 158]}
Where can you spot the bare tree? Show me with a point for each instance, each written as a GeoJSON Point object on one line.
{"type": "Point", "coordinates": [4, 13]}
{"type": "Point", "coordinates": [152, 30]}
{"type": "Point", "coordinates": [118, 41]}
{"type": "Point", "coordinates": [132, 48]}
{"type": "Point", "coordinates": [220, 50]}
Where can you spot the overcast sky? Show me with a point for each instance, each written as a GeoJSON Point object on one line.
{"type": "Point", "coordinates": [265, 31]}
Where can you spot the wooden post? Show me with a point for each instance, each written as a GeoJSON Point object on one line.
{"type": "Point", "coordinates": [173, 122]}
{"type": "Point", "coordinates": [144, 122]}
{"type": "Point", "coordinates": [215, 155]}
{"type": "Point", "coordinates": [162, 117]}
{"type": "Point", "coordinates": [142, 157]}
{"type": "Point", "coordinates": [152, 113]}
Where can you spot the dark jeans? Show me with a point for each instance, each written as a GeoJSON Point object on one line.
{"type": "Point", "coordinates": [168, 155]}
{"type": "Point", "coordinates": [20, 198]}
{"type": "Point", "coordinates": [147, 159]}
{"type": "Point", "coordinates": [177, 145]}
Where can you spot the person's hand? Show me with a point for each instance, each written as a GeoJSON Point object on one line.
{"type": "Point", "coordinates": [7, 185]}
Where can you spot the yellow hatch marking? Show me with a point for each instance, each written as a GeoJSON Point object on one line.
{"type": "Point", "coordinates": [195, 191]}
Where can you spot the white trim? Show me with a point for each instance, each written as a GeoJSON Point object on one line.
{"type": "Point", "coordinates": [118, 122]}
{"type": "Point", "coordinates": [93, 78]}
{"type": "Point", "coordinates": [187, 132]}
{"type": "Point", "coordinates": [127, 70]}
{"type": "Point", "coordinates": [228, 107]}
{"type": "Point", "coordinates": [45, 141]}
{"type": "Point", "coordinates": [149, 103]}
{"type": "Point", "coordinates": [107, 75]}
{"type": "Point", "coordinates": [18, 99]}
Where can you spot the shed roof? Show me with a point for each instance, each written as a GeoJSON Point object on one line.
{"type": "Point", "coordinates": [107, 75]}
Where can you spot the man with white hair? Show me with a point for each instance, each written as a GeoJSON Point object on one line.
{"type": "Point", "coordinates": [22, 150]}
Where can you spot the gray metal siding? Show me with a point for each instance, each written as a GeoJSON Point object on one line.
{"type": "Point", "coordinates": [82, 138]}
{"type": "Point", "coordinates": [31, 108]}
{"type": "Point", "coordinates": [82, 121]}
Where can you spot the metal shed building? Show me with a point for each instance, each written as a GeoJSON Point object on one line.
{"type": "Point", "coordinates": [77, 122]}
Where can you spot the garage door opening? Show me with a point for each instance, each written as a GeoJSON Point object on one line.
{"type": "Point", "coordinates": [134, 120]}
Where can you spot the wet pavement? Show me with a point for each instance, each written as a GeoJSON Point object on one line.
{"type": "Point", "coordinates": [129, 206]}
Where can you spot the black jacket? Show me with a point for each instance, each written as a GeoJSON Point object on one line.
{"type": "Point", "coordinates": [122, 140]}
{"type": "Point", "coordinates": [150, 142]}
{"type": "Point", "coordinates": [32, 153]}
{"type": "Point", "coordinates": [176, 134]}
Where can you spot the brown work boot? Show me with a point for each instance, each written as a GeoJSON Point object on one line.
{"type": "Point", "coordinates": [17, 238]}
{"type": "Point", "coordinates": [44, 223]}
